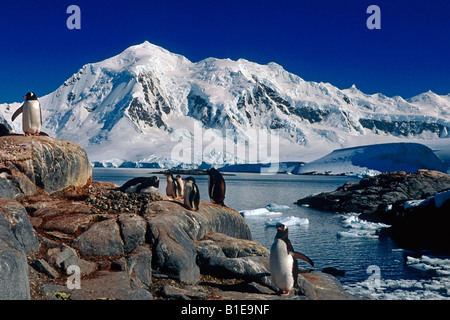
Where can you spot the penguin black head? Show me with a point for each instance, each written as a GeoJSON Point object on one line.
{"type": "Point", "coordinates": [192, 179]}
{"type": "Point", "coordinates": [154, 181]}
{"type": "Point", "coordinates": [30, 96]}
{"type": "Point", "coordinates": [282, 231]}
{"type": "Point", "coordinates": [212, 171]}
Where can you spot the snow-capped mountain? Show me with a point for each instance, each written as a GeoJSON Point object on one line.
{"type": "Point", "coordinates": [148, 105]}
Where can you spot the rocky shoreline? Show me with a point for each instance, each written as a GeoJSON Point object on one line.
{"type": "Point", "coordinates": [64, 236]}
{"type": "Point", "coordinates": [406, 202]}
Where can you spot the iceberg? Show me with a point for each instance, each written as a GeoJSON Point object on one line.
{"type": "Point", "coordinates": [258, 212]}
{"type": "Point", "coordinates": [274, 206]}
{"type": "Point", "coordinates": [287, 221]}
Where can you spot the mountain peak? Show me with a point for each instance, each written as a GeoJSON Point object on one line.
{"type": "Point", "coordinates": [143, 57]}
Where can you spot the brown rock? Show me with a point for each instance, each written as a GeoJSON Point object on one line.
{"type": "Point", "coordinates": [50, 164]}
{"type": "Point", "coordinates": [101, 239]}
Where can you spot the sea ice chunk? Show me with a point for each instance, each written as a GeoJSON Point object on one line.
{"type": "Point", "coordinates": [287, 221]}
{"type": "Point", "coordinates": [258, 212]}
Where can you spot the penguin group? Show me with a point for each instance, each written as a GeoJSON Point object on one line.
{"type": "Point", "coordinates": [183, 189]}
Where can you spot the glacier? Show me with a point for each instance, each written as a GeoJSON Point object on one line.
{"type": "Point", "coordinates": [149, 107]}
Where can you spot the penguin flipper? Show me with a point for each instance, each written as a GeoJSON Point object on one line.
{"type": "Point", "coordinates": [301, 256]}
{"type": "Point", "coordinates": [16, 114]}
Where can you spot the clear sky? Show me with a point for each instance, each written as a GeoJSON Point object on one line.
{"type": "Point", "coordinates": [324, 41]}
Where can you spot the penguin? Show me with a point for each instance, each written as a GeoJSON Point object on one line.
{"type": "Point", "coordinates": [141, 185]}
{"type": "Point", "coordinates": [180, 186]}
{"type": "Point", "coordinates": [191, 194]}
{"type": "Point", "coordinates": [283, 261]}
{"type": "Point", "coordinates": [172, 188]}
{"type": "Point", "coordinates": [216, 186]}
{"type": "Point", "coordinates": [32, 115]}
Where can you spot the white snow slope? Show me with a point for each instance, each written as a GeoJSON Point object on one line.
{"type": "Point", "coordinates": [150, 106]}
{"type": "Point", "coordinates": [374, 159]}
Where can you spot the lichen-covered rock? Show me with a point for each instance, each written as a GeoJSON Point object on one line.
{"type": "Point", "coordinates": [48, 163]}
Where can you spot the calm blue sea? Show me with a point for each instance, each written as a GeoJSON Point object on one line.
{"type": "Point", "coordinates": [373, 265]}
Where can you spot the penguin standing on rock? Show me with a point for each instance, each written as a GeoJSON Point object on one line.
{"type": "Point", "coordinates": [172, 188]}
{"type": "Point", "coordinates": [141, 185]}
{"type": "Point", "coordinates": [283, 261]}
{"type": "Point", "coordinates": [216, 186]}
{"type": "Point", "coordinates": [191, 194]}
{"type": "Point", "coordinates": [32, 115]}
{"type": "Point", "coordinates": [180, 186]}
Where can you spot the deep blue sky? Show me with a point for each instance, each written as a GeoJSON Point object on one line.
{"type": "Point", "coordinates": [318, 40]}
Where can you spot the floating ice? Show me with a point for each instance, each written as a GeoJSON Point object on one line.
{"type": "Point", "coordinates": [287, 221]}
{"type": "Point", "coordinates": [426, 263]}
{"type": "Point", "coordinates": [274, 206]}
{"type": "Point", "coordinates": [258, 212]}
{"type": "Point", "coordinates": [403, 289]}
{"type": "Point", "coordinates": [356, 234]}
{"type": "Point", "coordinates": [359, 228]}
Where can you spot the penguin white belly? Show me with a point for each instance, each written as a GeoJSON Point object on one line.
{"type": "Point", "coordinates": [281, 264]}
{"type": "Point", "coordinates": [150, 189]}
{"type": "Point", "coordinates": [131, 189]}
{"type": "Point", "coordinates": [31, 118]}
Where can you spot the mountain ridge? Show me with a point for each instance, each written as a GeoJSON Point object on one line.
{"type": "Point", "coordinates": [145, 103]}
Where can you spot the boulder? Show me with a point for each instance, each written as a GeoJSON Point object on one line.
{"type": "Point", "coordinates": [225, 257]}
{"type": "Point", "coordinates": [235, 247]}
{"type": "Point", "coordinates": [133, 229]}
{"type": "Point", "coordinates": [139, 264]}
{"type": "Point", "coordinates": [172, 231]}
{"type": "Point", "coordinates": [20, 225]}
{"type": "Point", "coordinates": [14, 283]}
{"type": "Point", "coordinates": [322, 286]}
{"type": "Point", "coordinates": [48, 163]}
{"type": "Point", "coordinates": [102, 239]}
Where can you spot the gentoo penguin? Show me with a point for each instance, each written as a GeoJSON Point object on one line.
{"type": "Point", "coordinates": [283, 261]}
{"type": "Point", "coordinates": [216, 186]}
{"type": "Point", "coordinates": [172, 189]}
{"type": "Point", "coordinates": [180, 186]}
{"type": "Point", "coordinates": [191, 194]}
{"type": "Point", "coordinates": [141, 185]}
{"type": "Point", "coordinates": [32, 115]}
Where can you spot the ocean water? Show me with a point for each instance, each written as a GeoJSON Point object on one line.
{"type": "Point", "coordinates": [374, 265]}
